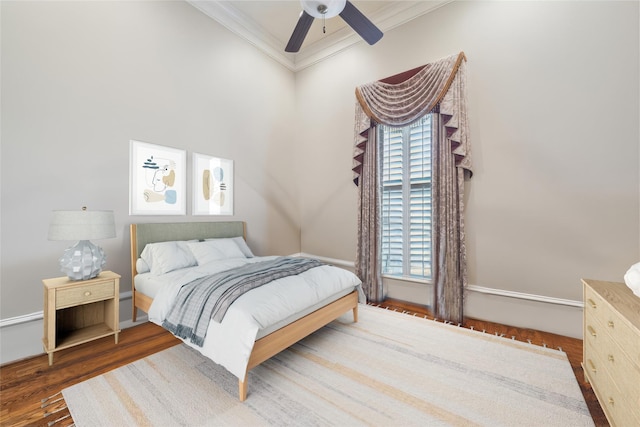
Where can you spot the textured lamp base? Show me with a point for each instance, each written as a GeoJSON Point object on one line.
{"type": "Point", "coordinates": [83, 261]}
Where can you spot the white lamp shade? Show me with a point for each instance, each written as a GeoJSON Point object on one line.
{"type": "Point", "coordinates": [82, 225]}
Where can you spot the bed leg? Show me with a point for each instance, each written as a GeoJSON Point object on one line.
{"type": "Point", "coordinates": [355, 314]}
{"type": "Point", "coordinates": [242, 389]}
{"type": "Point", "coordinates": [135, 313]}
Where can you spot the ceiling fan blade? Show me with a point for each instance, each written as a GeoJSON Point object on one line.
{"type": "Point", "coordinates": [360, 23]}
{"type": "Point", "coordinates": [299, 32]}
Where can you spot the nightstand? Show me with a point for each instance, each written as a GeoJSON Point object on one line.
{"type": "Point", "coordinates": [78, 311]}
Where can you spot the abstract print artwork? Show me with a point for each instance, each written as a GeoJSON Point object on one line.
{"type": "Point", "coordinates": [212, 185]}
{"type": "Point", "coordinates": [157, 180]}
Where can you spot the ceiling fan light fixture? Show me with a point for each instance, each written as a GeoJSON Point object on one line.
{"type": "Point", "coordinates": [314, 7]}
{"type": "Point", "coordinates": [350, 14]}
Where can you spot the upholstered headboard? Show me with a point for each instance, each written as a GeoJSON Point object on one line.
{"type": "Point", "coordinates": [142, 234]}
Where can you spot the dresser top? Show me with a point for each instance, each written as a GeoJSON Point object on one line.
{"type": "Point", "coordinates": [620, 297]}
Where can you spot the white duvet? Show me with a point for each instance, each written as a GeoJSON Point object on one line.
{"type": "Point", "coordinates": [230, 342]}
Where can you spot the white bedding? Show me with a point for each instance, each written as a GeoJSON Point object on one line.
{"type": "Point", "coordinates": [230, 342]}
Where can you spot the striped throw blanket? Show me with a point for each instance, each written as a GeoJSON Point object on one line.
{"type": "Point", "coordinates": [209, 297]}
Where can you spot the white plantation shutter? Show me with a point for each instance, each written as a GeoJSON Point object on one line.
{"type": "Point", "coordinates": [392, 209]}
{"type": "Point", "coordinates": [406, 199]}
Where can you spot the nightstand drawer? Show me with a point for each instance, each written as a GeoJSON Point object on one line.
{"type": "Point", "coordinates": [84, 294]}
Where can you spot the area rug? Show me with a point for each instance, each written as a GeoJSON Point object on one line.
{"type": "Point", "coordinates": [388, 369]}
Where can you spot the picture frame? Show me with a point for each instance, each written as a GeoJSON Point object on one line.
{"type": "Point", "coordinates": [157, 179]}
{"type": "Point", "coordinates": [212, 185]}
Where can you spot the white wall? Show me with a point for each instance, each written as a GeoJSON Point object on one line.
{"type": "Point", "coordinates": [79, 80]}
{"type": "Point", "coordinates": [554, 123]}
{"type": "Point", "coordinates": [553, 91]}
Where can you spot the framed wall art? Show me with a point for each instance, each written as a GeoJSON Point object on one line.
{"type": "Point", "coordinates": [212, 185]}
{"type": "Point", "coordinates": [157, 180]}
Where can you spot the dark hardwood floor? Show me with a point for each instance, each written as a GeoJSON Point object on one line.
{"type": "Point", "coordinates": [26, 383]}
{"type": "Point", "coordinates": [30, 388]}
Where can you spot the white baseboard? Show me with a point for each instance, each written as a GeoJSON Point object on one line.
{"type": "Point", "coordinates": [23, 333]}
{"type": "Point", "coordinates": [21, 336]}
{"type": "Point", "coordinates": [540, 312]}
{"type": "Point", "coordinates": [39, 315]}
{"type": "Point", "coordinates": [549, 316]}
{"type": "Point", "coordinates": [524, 296]}
{"type": "Point", "coordinates": [17, 320]}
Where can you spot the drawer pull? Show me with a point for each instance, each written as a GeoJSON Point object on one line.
{"type": "Point", "coordinates": [611, 401]}
{"type": "Point", "coordinates": [610, 323]}
{"type": "Point", "coordinates": [592, 303]}
{"type": "Point", "coordinates": [592, 366]}
{"type": "Point", "coordinates": [87, 293]}
{"type": "Point", "coordinates": [591, 331]}
{"type": "Point", "coordinates": [611, 358]}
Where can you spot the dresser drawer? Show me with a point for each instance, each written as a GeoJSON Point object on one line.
{"type": "Point", "coordinates": [619, 409]}
{"type": "Point", "coordinates": [603, 346]}
{"type": "Point", "coordinates": [84, 294]}
{"type": "Point", "coordinates": [626, 374]}
{"type": "Point", "coordinates": [621, 331]}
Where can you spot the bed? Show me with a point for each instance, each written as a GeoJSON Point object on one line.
{"type": "Point", "coordinates": [247, 335]}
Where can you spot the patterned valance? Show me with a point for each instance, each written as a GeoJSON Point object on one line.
{"type": "Point", "coordinates": [438, 86]}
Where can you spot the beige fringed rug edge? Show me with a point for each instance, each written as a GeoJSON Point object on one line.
{"type": "Point", "coordinates": [492, 337]}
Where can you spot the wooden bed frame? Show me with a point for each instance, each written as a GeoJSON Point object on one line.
{"type": "Point", "coordinates": [265, 347]}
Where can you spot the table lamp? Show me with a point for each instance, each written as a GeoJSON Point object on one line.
{"type": "Point", "coordinates": [84, 260]}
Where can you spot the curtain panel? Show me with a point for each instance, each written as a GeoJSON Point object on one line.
{"type": "Point", "coordinates": [437, 88]}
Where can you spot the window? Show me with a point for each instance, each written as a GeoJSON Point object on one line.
{"type": "Point", "coordinates": [406, 199]}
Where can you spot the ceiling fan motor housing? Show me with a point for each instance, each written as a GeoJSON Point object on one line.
{"type": "Point", "coordinates": [323, 8]}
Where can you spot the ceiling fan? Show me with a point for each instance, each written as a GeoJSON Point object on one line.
{"type": "Point", "coordinates": [328, 9]}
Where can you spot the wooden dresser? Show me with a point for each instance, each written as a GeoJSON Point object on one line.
{"type": "Point", "coordinates": [611, 359]}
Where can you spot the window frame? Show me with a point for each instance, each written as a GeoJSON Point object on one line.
{"type": "Point", "coordinates": [407, 226]}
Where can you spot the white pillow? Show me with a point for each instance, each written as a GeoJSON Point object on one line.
{"type": "Point", "coordinates": [632, 278]}
{"type": "Point", "coordinates": [163, 257]}
{"type": "Point", "coordinates": [214, 250]}
{"type": "Point", "coordinates": [243, 246]}
{"type": "Point", "coordinates": [142, 266]}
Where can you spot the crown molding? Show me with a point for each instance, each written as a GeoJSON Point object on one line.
{"type": "Point", "coordinates": [387, 18]}
{"type": "Point", "coordinates": [235, 21]}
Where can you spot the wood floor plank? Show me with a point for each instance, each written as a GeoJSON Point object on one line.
{"type": "Point", "coordinates": [25, 383]}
